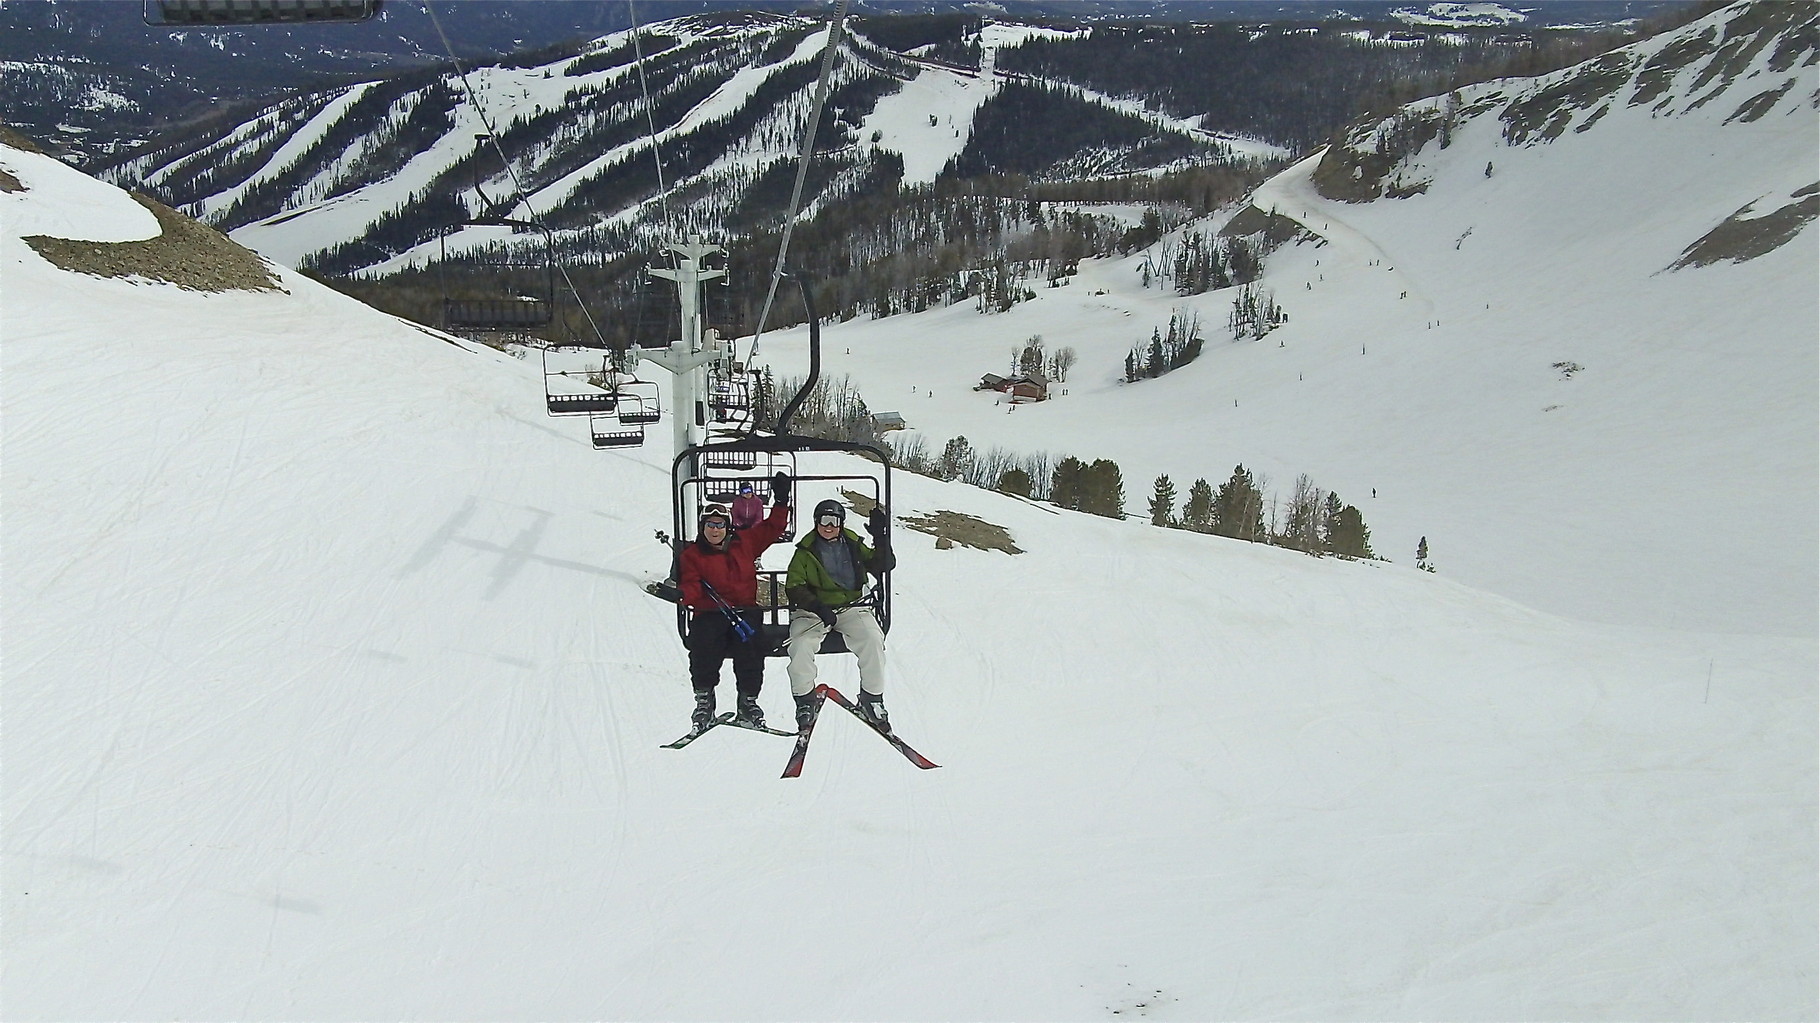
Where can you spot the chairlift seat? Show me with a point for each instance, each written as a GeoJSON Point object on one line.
{"type": "Point", "coordinates": [581, 404]}
{"type": "Point", "coordinates": [496, 313]}
{"type": "Point", "coordinates": [608, 437]}
{"type": "Point", "coordinates": [729, 459]}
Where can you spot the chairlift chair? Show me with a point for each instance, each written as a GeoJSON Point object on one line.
{"type": "Point", "coordinates": [573, 379]}
{"type": "Point", "coordinates": [638, 402]}
{"type": "Point", "coordinates": [520, 295]}
{"type": "Point", "coordinates": [608, 432]}
{"type": "Point", "coordinates": [712, 483]}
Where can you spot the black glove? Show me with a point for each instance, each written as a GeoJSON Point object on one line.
{"type": "Point", "coordinates": [780, 489]}
{"type": "Point", "coordinates": [876, 522]}
{"type": "Point", "coordinates": [825, 614]}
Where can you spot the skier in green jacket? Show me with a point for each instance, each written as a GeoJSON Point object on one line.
{"type": "Point", "coordinates": [827, 575]}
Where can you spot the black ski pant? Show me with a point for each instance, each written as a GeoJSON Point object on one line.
{"type": "Point", "coordinates": [711, 641]}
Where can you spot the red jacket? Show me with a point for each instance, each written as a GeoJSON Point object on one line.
{"type": "Point", "coordinates": [733, 572]}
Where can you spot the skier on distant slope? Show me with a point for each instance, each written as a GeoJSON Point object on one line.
{"type": "Point", "coordinates": [726, 563]}
{"type": "Point", "coordinates": [827, 576]}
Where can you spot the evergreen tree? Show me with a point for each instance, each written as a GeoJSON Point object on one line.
{"type": "Point", "coordinates": [1030, 358]}
{"type": "Point", "coordinates": [1238, 508]}
{"type": "Point", "coordinates": [1422, 561]}
{"type": "Point", "coordinates": [1103, 489]}
{"type": "Point", "coordinates": [1349, 538]}
{"type": "Point", "coordinates": [1066, 488]}
{"type": "Point", "coordinates": [1014, 481]}
{"type": "Point", "coordinates": [1162, 502]}
{"type": "Point", "coordinates": [1197, 514]}
{"type": "Point", "coordinates": [1330, 511]}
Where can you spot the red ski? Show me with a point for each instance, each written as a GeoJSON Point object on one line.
{"type": "Point", "coordinates": [795, 767]}
{"type": "Point", "coordinates": [891, 737]}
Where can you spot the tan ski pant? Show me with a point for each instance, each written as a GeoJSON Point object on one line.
{"type": "Point", "coordinates": [858, 627]}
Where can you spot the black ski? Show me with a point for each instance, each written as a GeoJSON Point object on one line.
{"type": "Point", "coordinates": [737, 723]}
{"type": "Point", "coordinates": [794, 768]}
{"type": "Point", "coordinates": [696, 733]}
{"type": "Point", "coordinates": [891, 737]}
{"type": "Point", "coordinates": [724, 719]}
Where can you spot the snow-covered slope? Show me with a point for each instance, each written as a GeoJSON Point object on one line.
{"type": "Point", "coordinates": [1516, 360]}
{"type": "Point", "coordinates": [330, 694]}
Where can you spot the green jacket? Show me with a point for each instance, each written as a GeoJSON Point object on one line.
{"type": "Point", "coordinates": [809, 585]}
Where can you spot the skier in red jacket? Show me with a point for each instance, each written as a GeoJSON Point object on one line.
{"type": "Point", "coordinates": [725, 561]}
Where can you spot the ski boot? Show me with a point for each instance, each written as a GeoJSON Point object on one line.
{"type": "Point", "coordinates": [703, 715]}
{"type": "Point", "coordinates": [871, 706]}
{"type": "Point", "coordinates": [806, 706]}
{"type": "Point", "coordinates": [748, 712]}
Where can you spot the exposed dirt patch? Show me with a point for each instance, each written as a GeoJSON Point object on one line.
{"type": "Point", "coordinates": [8, 183]}
{"type": "Point", "coordinates": [1744, 237]}
{"type": "Point", "coordinates": [966, 530]}
{"type": "Point", "coordinates": [186, 253]}
{"type": "Point", "coordinates": [1546, 114]}
{"type": "Point", "coordinates": [12, 138]}
{"type": "Point", "coordinates": [860, 503]}
{"type": "Point", "coordinates": [1273, 228]}
{"type": "Point", "coordinates": [1366, 166]}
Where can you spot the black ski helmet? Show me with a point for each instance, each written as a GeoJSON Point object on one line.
{"type": "Point", "coordinates": [830, 507]}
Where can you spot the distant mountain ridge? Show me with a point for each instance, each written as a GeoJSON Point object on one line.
{"type": "Point", "coordinates": [356, 176]}
{"type": "Point", "coordinates": [370, 174]}
{"type": "Point", "coordinates": [95, 79]}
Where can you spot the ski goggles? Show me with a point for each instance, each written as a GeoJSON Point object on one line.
{"type": "Point", "coordinates": [713, 523]}
{"type": "Point", "coordinates": [828, 520]}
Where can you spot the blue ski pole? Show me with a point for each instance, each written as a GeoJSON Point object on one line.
{"type": "Point", "coordinates": [741, 628]}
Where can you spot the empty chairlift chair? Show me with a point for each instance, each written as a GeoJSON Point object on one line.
{"type": "Point", "coordinates": [512, 287]}
{"type": "Point", "coordinates": [578, 381]}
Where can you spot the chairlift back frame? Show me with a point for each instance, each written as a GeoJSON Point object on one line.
{"type": "Point", "coordinates": [560, 402]}
{"type": "Point", "coordinates": [640, 403]}
{"type": "Point", "coordinates": [500, 313]}
{"type": "Point", "coordinates": [775, 606]}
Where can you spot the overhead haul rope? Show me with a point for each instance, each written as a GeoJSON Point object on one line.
{"type": "Point", "coordinates": [657, 153]}
{"type": "Point", "coordinates": [802, 166]}
{"type": "Point", "coordinates": [518, 186]}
